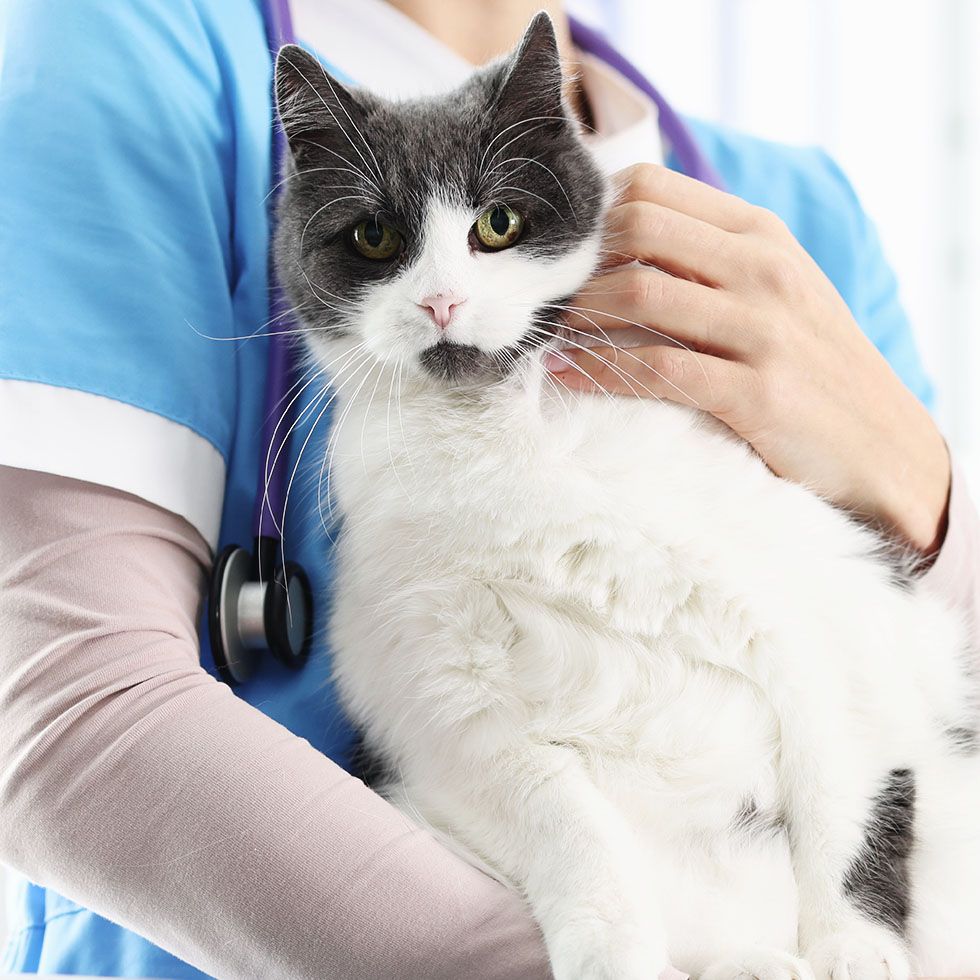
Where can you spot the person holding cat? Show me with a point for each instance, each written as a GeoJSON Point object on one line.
{"type": "Point", "coordinates": [161, 825]}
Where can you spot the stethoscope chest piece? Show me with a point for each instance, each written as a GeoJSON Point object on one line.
{"type": "Point", "coordinates": [247, 615]}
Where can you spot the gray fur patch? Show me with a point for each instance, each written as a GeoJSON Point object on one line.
{"type": "Point", "coordinates": [878, 880]}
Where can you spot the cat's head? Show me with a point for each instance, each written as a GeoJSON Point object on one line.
{"type": "Point", "coordinates": [436, 231]}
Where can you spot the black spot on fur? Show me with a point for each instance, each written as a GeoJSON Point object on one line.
{"type": "Point", "coordinates": [878, 880]}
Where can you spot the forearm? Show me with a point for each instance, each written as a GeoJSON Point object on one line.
{"type": "Point", "coordinates": [955, 574]}
{"type": "Point", "coordinates": [134, 783]}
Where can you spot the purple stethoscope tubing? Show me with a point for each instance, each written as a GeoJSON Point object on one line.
{"type": "Point", "coordinates": [257, 601]}
{"type": "Point", "coordinates": [278, 25]}
{"type": "Point", "coordinates": [270, 495]}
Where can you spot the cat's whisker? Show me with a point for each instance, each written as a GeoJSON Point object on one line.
{"type": "Point", "coordinates": [401, 419]}
{"type": "Point", "coordinates": [625, 376]}
{"type": "Point", "coordinates": [609, 396]}
{"type": "Point", "coordinates": [320, 210]}
{"type": "Point", "coordinates": [628, 353]}
{"type": "Point", "coordinates": [582, 310]}
{"type": "Point", "coordinates": [312, 170]}
{"type": "Point", "coordinates": [319, 493]}
{"type": "Point", "coordinates": [391, 456]}
{"type": "Point", "coordinates": [626, 350]}
{"type": "Point", "coordinates": [367, 412]}
{"type": "Point", "coordinates": [330, 390]}
{"type": "Point", "coordinates": [336, 386]}
{"type": "Point", "coordinates": [507, 129]}
{"type": "Point", "coordinates": [524, 190]}
{"type": "Point", "coordinates": [269, 466]}
{"type": "Point", "coordinates": [314, 287]}
{"type": "Point", "coordinates": [625, 255]}
{"type": "Point", "coordinates": [258, 332]}
{"type": "Point", "coordinates": [350, 163]}
{"type": "Point", "coordinates": [279, 520]}
{"type": "Point", "coordinates": [367, 145]}
{"type": "Point", "coordinates": [585, 333]}
{"type": "Point", "coordinates": [303, 416]}
{"type": "Point", "coordinates": [289, 486]}
{"type": "Point", "coordinates": [333, 115]}
{"type": "Point", "coordinates": [333, 439]}
{"type": "Point", "coordinates": [526, 160]}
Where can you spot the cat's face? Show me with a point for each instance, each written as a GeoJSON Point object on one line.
{"type": "Point", "coordinates": [436, 232]}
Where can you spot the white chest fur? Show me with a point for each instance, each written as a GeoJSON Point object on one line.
{"type": "Point", "coordinates": [520, 574]}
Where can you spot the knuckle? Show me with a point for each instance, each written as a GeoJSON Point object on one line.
{"type": "Point", "coordinates": [668, 364]}
{"type": "Point", "coordinates": [779, 273]}
{"type": "Point", "coordinates": [633, 220]}
{"type": "Point", "coordinates": [762, 221]}
{"type": "Point", "coordinates": [645, 179]}
{"type": "Point", "coordinates": [649, 287]}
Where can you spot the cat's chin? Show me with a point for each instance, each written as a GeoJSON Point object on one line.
{"type": "Point", "coordinates": [461, 363]}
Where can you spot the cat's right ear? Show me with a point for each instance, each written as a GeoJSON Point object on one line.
{"type": "Point", "coordinates": [314, 107]}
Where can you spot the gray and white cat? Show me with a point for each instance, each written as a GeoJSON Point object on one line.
{"type": "Point", "coordinates": [683, 706]}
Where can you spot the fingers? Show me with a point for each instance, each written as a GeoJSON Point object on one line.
{"type": "Point", "coordinates": [665, 307]}
{"type": "Point", "coordinates": [711, 384]}
{"type": "Point", "coordinates": [651, 182]}
{"type": "Point", "coordinates": [670, 240]}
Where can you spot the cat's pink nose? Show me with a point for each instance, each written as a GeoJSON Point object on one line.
{"type": "Point", "coordinates": [440, 307]}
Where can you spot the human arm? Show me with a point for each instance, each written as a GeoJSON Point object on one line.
{"type": "Point", "coordinates": [770, 348]}
{"type": "Point", "coordinates": [134, 783]}
{"type": "Point", "coordinates": [954, 575]}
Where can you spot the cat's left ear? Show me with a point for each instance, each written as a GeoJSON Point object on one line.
{"type": "Point", "coordinates": [314, 107]}
{"type": "Point", "coordinates": [533, 83]}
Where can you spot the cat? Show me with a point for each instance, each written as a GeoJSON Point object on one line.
{"type": "Point", "coordinates": [686, 708]}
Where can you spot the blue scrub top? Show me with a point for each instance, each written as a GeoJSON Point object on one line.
{"type": "Point", "coordinates": [134, 168]}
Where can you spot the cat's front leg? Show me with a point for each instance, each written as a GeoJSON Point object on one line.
{"type": "Point", "coordinates": [850, 849]}
{"type": "Point", "coordinates": [547, 827]}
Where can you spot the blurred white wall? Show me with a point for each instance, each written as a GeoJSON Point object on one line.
{"type": "Point", "coordinates": [891, 88]}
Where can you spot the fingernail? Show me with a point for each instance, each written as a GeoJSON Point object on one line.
{"type": "Point", "coordinates": [555, 364]}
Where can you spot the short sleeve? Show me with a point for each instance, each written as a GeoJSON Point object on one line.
{"type": "Point", "coordinates": [119, 146]}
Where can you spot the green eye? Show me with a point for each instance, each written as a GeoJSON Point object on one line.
{"type": "Point", "coordinates": [498, 227]}
{"type": "Point", "coordinates": [375, 240]}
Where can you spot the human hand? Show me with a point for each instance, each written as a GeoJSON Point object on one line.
{"type": "Point", "coordinates": [771, 349]}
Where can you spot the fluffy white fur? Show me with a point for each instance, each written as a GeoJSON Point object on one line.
{"type": "Point", "coordinates": [587, 631]}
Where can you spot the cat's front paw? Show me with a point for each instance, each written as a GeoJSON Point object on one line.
{"type": "Point", "coordinates": [759, 963]}
{"type": "Point", "coordinates": [600, 951]}
{"type": "Point", "coordinates": [860, 953]}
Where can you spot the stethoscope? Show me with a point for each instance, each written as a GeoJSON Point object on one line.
{"type": "Point", "coordinates": [256, 601]}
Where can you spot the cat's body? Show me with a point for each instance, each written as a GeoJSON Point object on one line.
{"type": "Point", "coordinates": [510, 593]}
{"type": "Point", "coordinates": [685, 707]}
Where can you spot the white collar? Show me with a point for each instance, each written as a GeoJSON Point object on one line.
{"type": "Point", "coordinates": [406, 61]}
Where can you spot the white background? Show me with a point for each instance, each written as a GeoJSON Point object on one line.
{"type": "Point", "coordinates": [892, 89]}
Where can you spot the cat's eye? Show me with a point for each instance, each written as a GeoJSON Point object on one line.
{"type": "Point", "coordinates": [498, 227]}
{"type": "Point", "coordinates": [375, 240]}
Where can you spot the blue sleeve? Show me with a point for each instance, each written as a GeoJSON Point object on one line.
{"type": "Point", "coordinates": [117, 164]}
{"type": "Point", "coordinates": [810, 193]}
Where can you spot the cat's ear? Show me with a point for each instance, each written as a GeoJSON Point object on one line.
{"type": "Point", "coordinates": [314, 107]}
{"type": "Point", "coordinates": [532, 84]}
